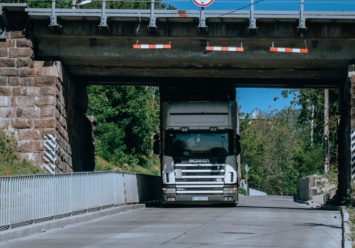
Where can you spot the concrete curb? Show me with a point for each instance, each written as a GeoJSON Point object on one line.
{"type": "Point", "coordinates": [346, 240]}
{"type": "Point", "coordinates": [28, 230]}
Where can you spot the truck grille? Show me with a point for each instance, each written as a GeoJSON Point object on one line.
{"type": "Point", "coordinates": [199, 178]}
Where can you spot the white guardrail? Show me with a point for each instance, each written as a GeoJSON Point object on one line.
{"type": "Point", "coordinates": [35, 198]}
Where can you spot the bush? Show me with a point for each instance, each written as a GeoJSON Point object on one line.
{"type": "Point", "coordinates": [242, 191]}
{"type": "Point", "coordinates": [10, 164]}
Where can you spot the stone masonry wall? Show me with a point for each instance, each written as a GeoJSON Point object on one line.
{"type": "Point", "coordinates": [38, 98]}
{"type": "Point", "coordinates": [72, 124]}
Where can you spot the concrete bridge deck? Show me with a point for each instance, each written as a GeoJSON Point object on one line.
{"type": "Point", "coordinates": [270, 221]}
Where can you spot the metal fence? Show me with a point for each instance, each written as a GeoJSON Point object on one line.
{"type": "Point", "coordinates": [30, 199]}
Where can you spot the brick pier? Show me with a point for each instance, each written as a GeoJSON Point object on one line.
{"type": "Point", "coordinates": [39, 98]}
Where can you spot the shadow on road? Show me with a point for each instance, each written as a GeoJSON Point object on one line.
{"type": "Point", "coordinates": [271, 202]}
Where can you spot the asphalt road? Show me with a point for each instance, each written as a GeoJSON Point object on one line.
{"type": "Point", "coordinates": [259, 221]}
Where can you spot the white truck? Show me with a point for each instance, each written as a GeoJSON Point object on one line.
{"type": "Point", "coordinates": [199, 146]}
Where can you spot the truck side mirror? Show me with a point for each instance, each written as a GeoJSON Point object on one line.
{"type": "Point", "coordinates": [237, 144]}
{"type": "Point", "coordinates": [156, 145]}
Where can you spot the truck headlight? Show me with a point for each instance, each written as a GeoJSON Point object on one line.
{"type": "Point", "coordinates": [230, 191]}
{"type": "Point", "coordinates": [167, 191]}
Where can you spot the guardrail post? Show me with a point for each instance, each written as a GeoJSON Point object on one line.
{"type": "Point", "coordinates": [74, 4]}
{"type": "Point", "coordinates": [103, 21]}
{"type": "Point", "coordinates": [252, 21]}
{"type": "Point", "coordinates": [152, 22]}
{"type": "Point", "coordinates": [202, 22]}
{"type": "Point", "coordinates": [54, 24]}
{"type": "Point", "coordinates": [202, 18]}
{"type": "Point", "coordinates": [302, 21]}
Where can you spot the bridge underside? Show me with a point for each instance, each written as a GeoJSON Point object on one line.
{"type": "Point", "coordinates": [106, 55]}
{"type": "Point", "coordinates": [113, 60]}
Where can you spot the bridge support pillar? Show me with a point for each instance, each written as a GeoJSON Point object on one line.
{"type": "Point", "coordinates": [346, 137]}
{"type": "Point", "coordinates": [44, 109]}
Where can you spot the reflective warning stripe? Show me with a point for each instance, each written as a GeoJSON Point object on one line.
{"type": "Point", "coordinates": [50, 152]}
{"type": "Point", "coordinates": [224, 49]}
{"type": "Point", "coordinates": [152, 46]}
{"type": "Point", "coordinates": [288, 50]}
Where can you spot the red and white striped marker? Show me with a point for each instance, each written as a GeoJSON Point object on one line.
{"type": "Point", "coordinates": [224, 49]}
{"type": "Point", "coordinates": [288, 50]}
{"type": "Point", "coordinates": [152, 46]}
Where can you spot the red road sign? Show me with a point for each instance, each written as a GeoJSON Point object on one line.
{"type": "Point", "coordinates": [203, 3]}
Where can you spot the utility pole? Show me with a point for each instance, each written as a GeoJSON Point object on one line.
{"type": "Point", "coordinates": [246, 178]}
{"type": "Point", "coordinates": [312, 124]}
{"type": "Point", "coordinates": [312, 120]}
{"type": "Point", "coordinates": [326, 130]}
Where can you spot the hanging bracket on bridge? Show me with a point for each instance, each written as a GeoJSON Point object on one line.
{"type": "Point", "coordinates": [252, 20]}
{"type": "Point", "coordinates": [202, 21]}
{"type": "Point", "coordinates": [152, 20]}
{"type": "Point", "coordinates": [225, 48]}
{"type": "Point", "coordinates": [53, 25]}
{"type": "Point", "coordinates": [103, 19]}
{"type": "Point", "coordinates": [151, 46]}
{"type": "Point", "coordinates": [288, 50]}
{"type": "Point", "coordinates": [302, 20]}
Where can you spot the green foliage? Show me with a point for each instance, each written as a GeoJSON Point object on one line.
{"type": "Point", "coordinates": [309, 160]}
{"type": "Point", "coordinates": [277, 146]}
{"type": "Point", "coordinates": [95, 4]}
{"type": "Point", "coordinates": [10, 164]}
{"type": "Point", "coordinates": [152, 168]}
{"type": "Point", "coordinates": [267, 146]}
{"type": "Point", "coordinates": [314, 99]}
{"type": "Point", "coordinates": [351, 211]}
{"type": "Point", "coordinates": [127, 118]}
{"type": "Point", "coordinates": [242, 191]}
{"type": "Point", "coordinates": [332, 174]}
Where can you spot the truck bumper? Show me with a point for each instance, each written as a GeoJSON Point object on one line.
{"type": "Point", "coordinates": [199, 199]}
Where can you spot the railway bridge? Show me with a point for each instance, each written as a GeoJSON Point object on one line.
{"type": "Point", "coordinates": [48, 56]}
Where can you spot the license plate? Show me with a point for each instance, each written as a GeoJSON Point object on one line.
{"type": "Point", "coordinates": [200, 198]}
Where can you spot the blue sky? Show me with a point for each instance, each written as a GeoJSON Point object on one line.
{"type": "Point", "coordinates": [250, 99]}
{"type": "Point", "coordinates": [310, 5]}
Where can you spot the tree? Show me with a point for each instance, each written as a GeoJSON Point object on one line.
{"type": "Point", "coordinates": [127, 118]}
{"type": "Point", "coordinates": [277, 145]}
{"type": "Point", "coordinates": [313, 100]}
{"type": "Point", "coordinates": [268, 144]}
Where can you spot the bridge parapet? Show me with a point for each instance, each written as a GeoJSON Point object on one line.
{"type": "Point", "coordinates": [26, 200]}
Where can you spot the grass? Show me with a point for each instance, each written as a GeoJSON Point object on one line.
{"type": "Point", "coordinates": [242, 191]}
{"type": "Point", "coordinates": [152, 169]}
{"type": "Point", "coordinates": [18, 168]}
{"type": "Point", "coordinates": [10, 164]}
{"type": "Point", "coordinates": [351, 211]}
{"type": "Point", "coordinates": [332, 174]}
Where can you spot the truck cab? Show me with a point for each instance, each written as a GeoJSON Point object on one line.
{"type": "Point", "coordinates": [199, 147]}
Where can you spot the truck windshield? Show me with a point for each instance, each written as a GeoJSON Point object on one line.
{"type": "Point", "coordinates": [197, 144]}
